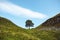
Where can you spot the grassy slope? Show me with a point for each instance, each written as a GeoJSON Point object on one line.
{"type": "Point", "coordinates": [9, 31]}
{"type": "Point", "coordinates": [46, 34]}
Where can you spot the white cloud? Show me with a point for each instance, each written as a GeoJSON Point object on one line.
{"type": "Point", "coordinates": [20, 11]}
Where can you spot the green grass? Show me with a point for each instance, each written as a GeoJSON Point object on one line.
{"type": "Point", "coordinates": [10, 31]}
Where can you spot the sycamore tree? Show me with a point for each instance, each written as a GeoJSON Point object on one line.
{"type": "Point", "coordinates": [29, 23]}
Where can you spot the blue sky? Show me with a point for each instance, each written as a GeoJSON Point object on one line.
{"type": "Point", "coordinates": [18, 11]}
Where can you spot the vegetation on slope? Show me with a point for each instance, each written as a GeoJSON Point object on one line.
{"type": "Point", "coordinates": [49, 30]}
{"type": "Point", "coordinates": [54, 21]}
{"type": "Point", "coordinates": [10, 31]}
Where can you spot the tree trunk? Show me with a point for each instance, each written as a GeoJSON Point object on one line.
{"type": "Point", "coordinates": [29, 27]}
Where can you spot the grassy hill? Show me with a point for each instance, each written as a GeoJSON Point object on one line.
{"type": "Point", "coordinates": [49, 30]}
{"type": "Point", "coordinates": [10, 31]}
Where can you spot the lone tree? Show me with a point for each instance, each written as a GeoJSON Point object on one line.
{"type": "Point", "coordinates": [29, 23]}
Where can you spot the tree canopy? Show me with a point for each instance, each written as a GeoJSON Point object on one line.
{"type": "Point", "coordinates": [29, 23]}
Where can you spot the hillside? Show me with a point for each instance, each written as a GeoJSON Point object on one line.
{"type": "Point", "coordinates": [51, 23]}
{"type": "Point", "coordinates": [49, 30]}
{"type": "Point", "coordinates": [10, 31]}
{"type": "Point", "coordinates": [54, 21]}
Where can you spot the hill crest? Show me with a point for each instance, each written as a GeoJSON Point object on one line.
{"type": "Point", "coordinates": [51, 23]}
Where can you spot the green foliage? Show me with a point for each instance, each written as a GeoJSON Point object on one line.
{"type": "Point", "coordinates": [29, 23]}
